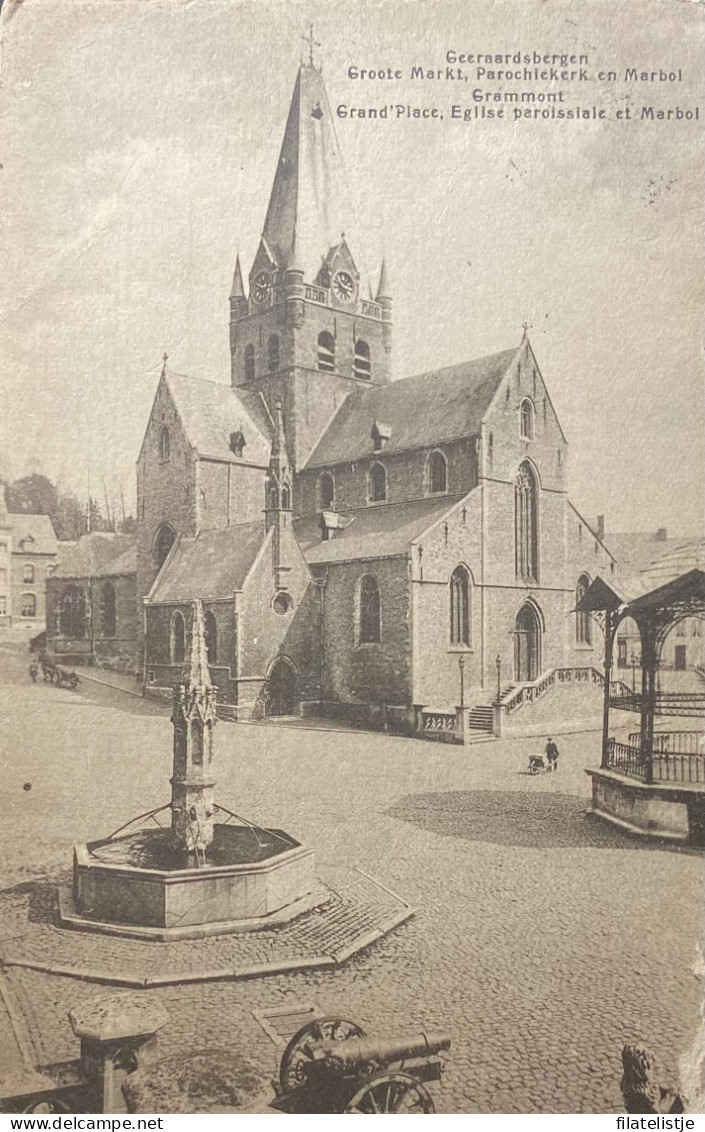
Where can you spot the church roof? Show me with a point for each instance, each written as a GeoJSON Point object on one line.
{"type": "Point", "coordinates": [443, 404]}
{"type": "Point", "coordinates": [37, 528]}
{"type": "Point", "coordinates": [211, 411]}
{"type": "Point", "coordinates": [212, 565]}
{"type": "Point", "coordinates": [308, 210]}
{"type": "Point", "coordinates": [99, 554]}
{"type": "Point", "coordinates": [372, 532]}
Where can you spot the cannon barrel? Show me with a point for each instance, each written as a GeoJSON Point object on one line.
{"type": "Point", "coordinates": [357, 1051]}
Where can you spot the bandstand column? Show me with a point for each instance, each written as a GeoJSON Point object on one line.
{"type": "Point", "coordinates": [648, 695]}
{"type": "Point", "coordinates": [610, 629]}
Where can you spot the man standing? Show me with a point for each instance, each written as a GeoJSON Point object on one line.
{"type": "Point", "coordinates": [552, 754]}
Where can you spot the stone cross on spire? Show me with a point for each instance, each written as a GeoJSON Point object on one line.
{"type": "Point", "coordinates": [311, 44]}
{"type": "Point", "coordinates": [194, 717]}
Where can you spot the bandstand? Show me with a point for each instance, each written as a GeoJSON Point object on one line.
{"type": "Point", "coordinates": [651, 781]}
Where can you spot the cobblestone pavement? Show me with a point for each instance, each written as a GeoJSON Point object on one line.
{"type": "Point", "coordinates": [542, 940]}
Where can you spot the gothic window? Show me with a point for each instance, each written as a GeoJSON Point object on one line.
{"type": "Point", "coordinates": [583, 621]}
{"type": "Point", "coordinates": [249, 362]}
{"type": "Point", "coordinates": [177, 639]}
{"type": "Point", "coordinates": [377, 484]}
{"type": "Point", "coordinates": [362, 367]}
{"type": "Point", "coordinates": [28, 573]}
{"type": "Point", "coordinates": [163, 542]}
{"type": "Point", "coordinates": [437, 473]}
{"type": "Point", "coordinates": [72, 613]}
{"type": "Point", "coordinates": [273, 353]}
{"type": "Point", "coordinates": [326, 491]}
{"type": "Point", "coordinates": [460, 606]}
{"type": "Point", "coordinates": [527, 419]}
{"type": "Point", "coordinates": [526, 523]}
{"type": "Point", "coordinates": [286, 498]}
{"type": "Point", "coordinates": [3, 605]}
{"type": "Point", "coordinates": [164, 445]}
{"type": "Point", "coordinates": [211, 634]}
{"type": "Point", "coordinates": [29, 605]}
{"type": "Point", "coordinates": [326, 352]}
{"type": "Point", "coordinates": [369, 624]}
{"type": "Point", "coordinates": [108, 610]}
{"type": "Point", "coordinates": [621, 652]}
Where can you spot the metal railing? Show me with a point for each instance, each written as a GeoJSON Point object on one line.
{"type": "Point", "coordinates": [673, 742]}
{"type": "Point", "coordinates": [665, 703]}
{"type": "Point", "coordinates": [677, 765]}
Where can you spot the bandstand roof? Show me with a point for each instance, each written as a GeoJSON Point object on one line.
{"type": "Point", "coordinates": [686, 588]}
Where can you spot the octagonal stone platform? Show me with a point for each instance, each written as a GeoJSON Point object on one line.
{"type": "Point", "coordinates": [131, 886]}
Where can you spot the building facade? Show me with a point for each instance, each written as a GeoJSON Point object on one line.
{"type": "Point", "coordinates": [362, 547]}
{"type": "Point", "coordinates": [91, 603]}
{"type": "Point", "coordinates": [28, 556]}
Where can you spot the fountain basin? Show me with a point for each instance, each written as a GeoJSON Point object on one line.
{"type": "Point", "coordinates": [131, 885]}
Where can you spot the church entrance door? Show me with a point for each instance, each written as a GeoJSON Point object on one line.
{"type": "Point", "coordinates": [527, 645]}
{"type": "Point", "coordinates": [283, 698]}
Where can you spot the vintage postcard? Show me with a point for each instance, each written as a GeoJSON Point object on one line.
{"type": "Point", "coordinates": [352, 574]}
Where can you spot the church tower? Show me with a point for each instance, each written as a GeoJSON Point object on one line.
{"type": "Point", "coordinates": [307, 330]}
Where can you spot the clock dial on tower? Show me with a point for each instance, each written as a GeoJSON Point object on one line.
{"type": "Point", "coordinates": [262, 286]}
{"type": "Point", "coordinates": [344, 286]}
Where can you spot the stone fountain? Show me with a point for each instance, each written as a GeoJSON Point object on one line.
{"type": "Point", "coordinates": [209, 872]}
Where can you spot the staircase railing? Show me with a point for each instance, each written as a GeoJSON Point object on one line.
{"type": "Point", "coordinates": [532, 690]}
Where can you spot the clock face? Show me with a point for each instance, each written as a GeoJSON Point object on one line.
{"type": "Point", "coordinates": [262, 286]}
{"type": "Point", "coordinates": [344, 286]}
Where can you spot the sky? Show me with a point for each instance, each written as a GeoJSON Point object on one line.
{"type": "Point", "coordinates": [138, 143]}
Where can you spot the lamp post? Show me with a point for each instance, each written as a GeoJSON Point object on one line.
{"type": "Point", "coordinates": [634, 661]}
{"type": "Point", "coordinates": [498, 666]}
{"type": "Point", "coordinates": [461, 666]}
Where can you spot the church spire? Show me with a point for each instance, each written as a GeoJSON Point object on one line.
{"type": "Point", "coordinates": [308, 207]}
{"type": "Point", "coordinates": [383, 288]}
{"type": "Point", "coordinates": [238, 287]}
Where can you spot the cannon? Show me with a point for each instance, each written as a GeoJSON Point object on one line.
{"type": "Point", "coordinates": [330, 1066]}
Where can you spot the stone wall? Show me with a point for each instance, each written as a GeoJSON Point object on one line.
{"type": "Point", "coordinates": [407, 476]}
{"type": "Point", "coordinates": [366, 673]}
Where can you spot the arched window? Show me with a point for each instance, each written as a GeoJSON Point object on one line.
{"type": "Point", "coordinates": [108, 610]}
{"type": "Point", "coordinates": [377, 484]}
{"type": "Point", "coordinates": [437, 473]}
{"type": "Point", "coordinates": [72, 613]}
{"type": "Point", "coordinates": [163, 542]}
{"type": "Point", "coordinates": [362, 366]}
{"type": "Point", "coordinates": [326, 352]}
{"type": "Point", "coordinates": [526, 415]}
{"type": "Point", "coordinates": [526, 523]}
{"type": "Point", "coordinates": [583, 621]}
{"type": "Point", "coordinates": [28, 573]}
{"type": "Point", "coordinates": [211, 633]}
{"type": "Point", "coordinates": [370, 612]}
{"type": "Point", "coordinates": [249, 362]}
{"type": "Point", "coordinates": [273, 353]}
{"type": "Point", "coordinates": [164, 444]}
{"type": "Point", "coordinates": [326, 491]}
{"type": "Point", "coordinates": [29, 605]}
{"type": "Point", "coordinates": [177, 639]}
{"type": "Point", "coordinates": [286, 498]}
{"type": "Point", "coordinates": [460, 606]}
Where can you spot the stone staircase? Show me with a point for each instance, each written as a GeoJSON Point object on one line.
{"type": "Point", "coordinates": [480, 717]}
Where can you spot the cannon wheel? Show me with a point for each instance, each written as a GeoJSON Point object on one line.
{"type": "Point", "coordinates": [297, 1054]}
{"type": "Point", "coordinates": [392, 1092]}
{"type": "Point", "coordinates": [42, 1106]}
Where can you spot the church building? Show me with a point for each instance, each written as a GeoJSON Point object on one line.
{"type": "Point", "coordinates": [387, 552]}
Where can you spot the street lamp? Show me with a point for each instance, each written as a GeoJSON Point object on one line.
{"type": "Point", "coordinates": [498, 665]}
{"type": "Point", "coordinates": [461, 666]}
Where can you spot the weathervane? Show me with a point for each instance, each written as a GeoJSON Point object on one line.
{"type": "Point", "coordinates": [311, 44]}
